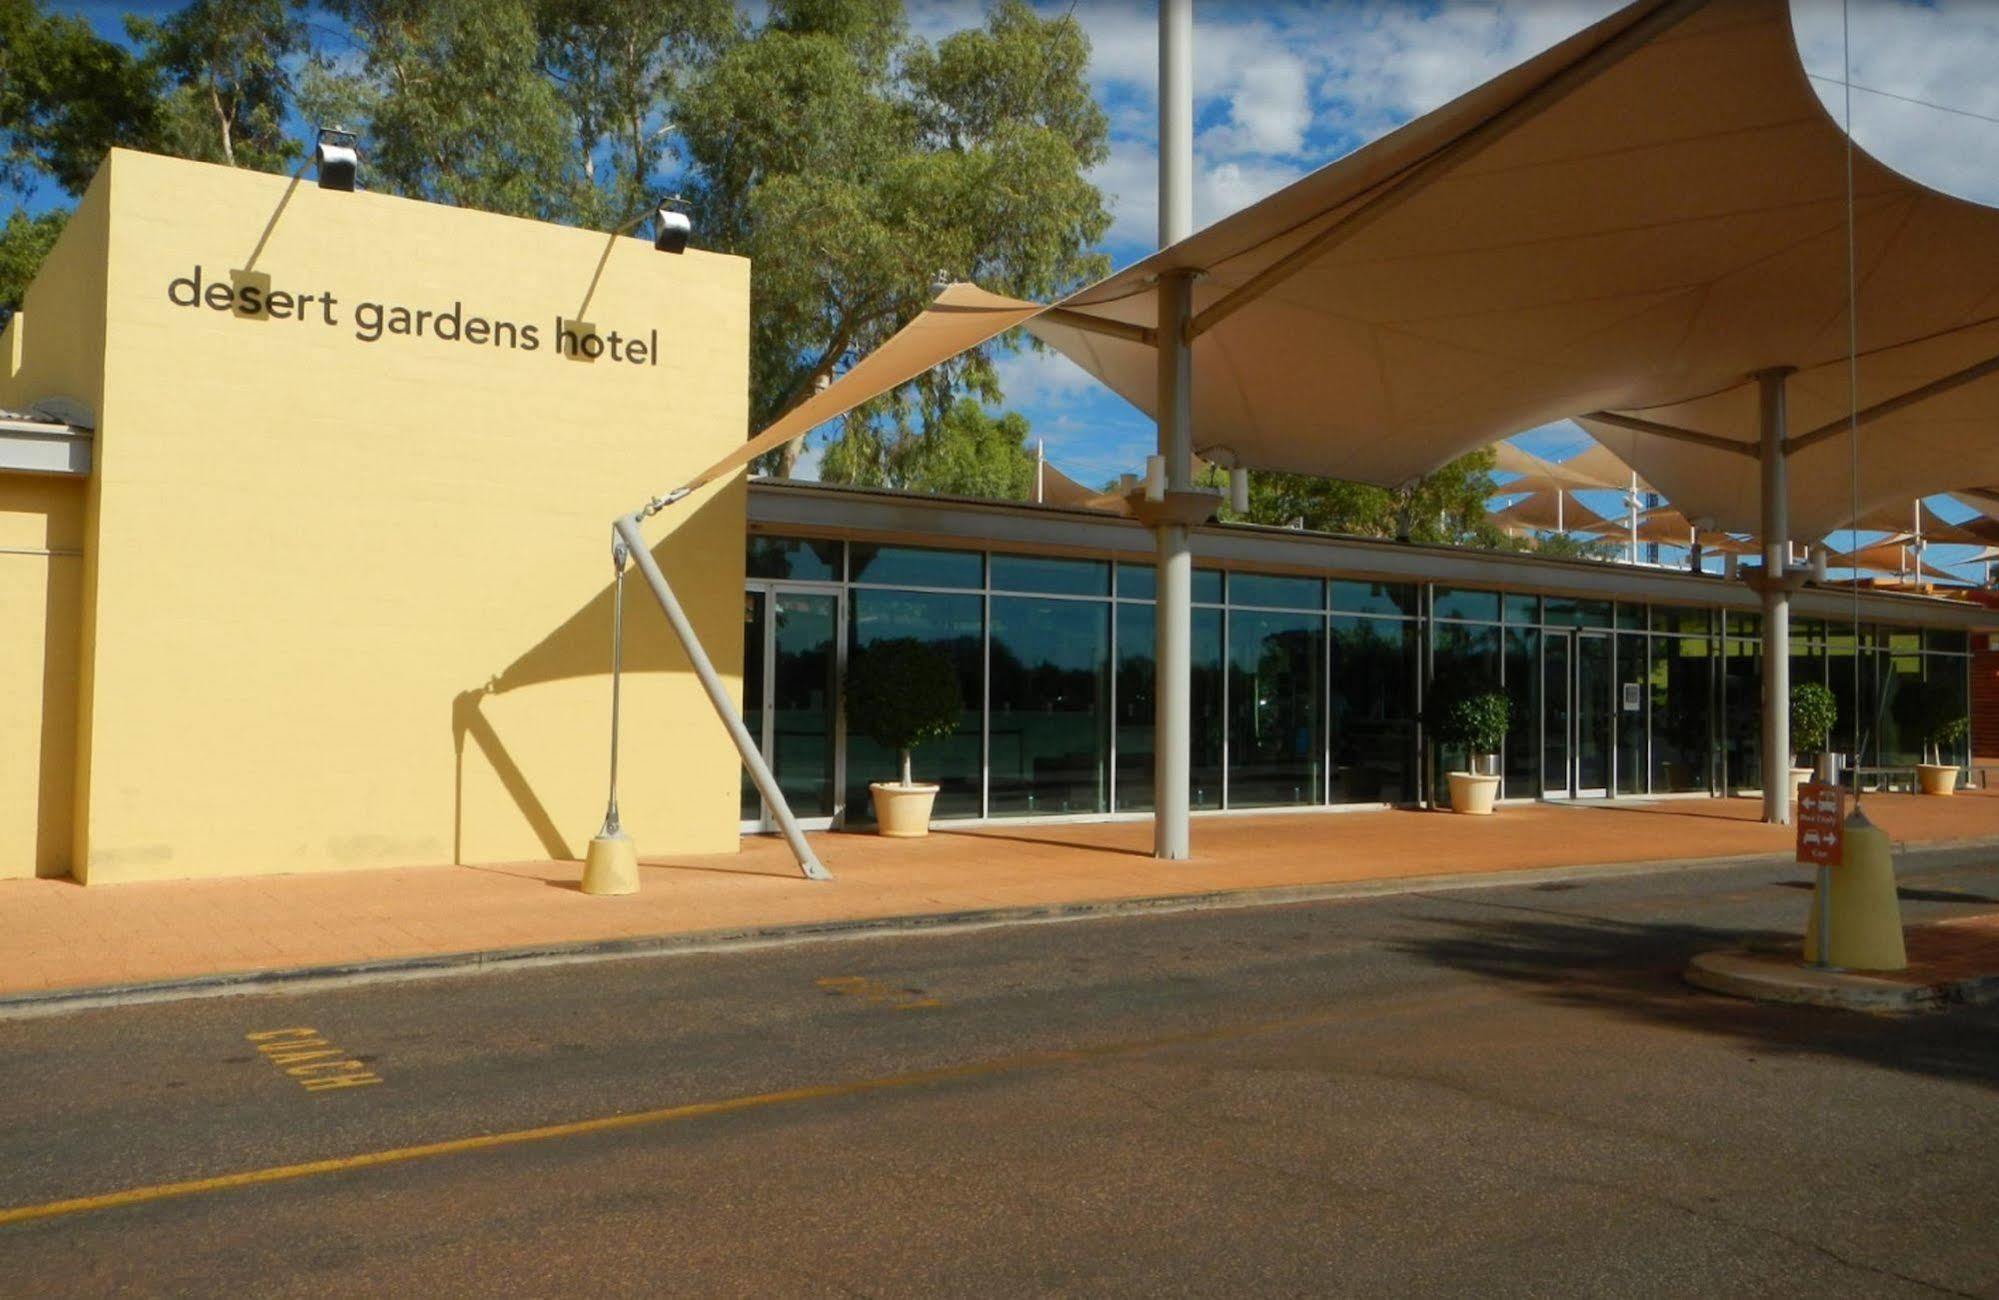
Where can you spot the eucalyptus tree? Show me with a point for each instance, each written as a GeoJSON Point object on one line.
{"type": "Point", "coordinates": [856, 166]}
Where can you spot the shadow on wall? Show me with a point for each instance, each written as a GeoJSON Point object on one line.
{"type": "Point", "coordinates": [1634, 970]}
{"type": "Point", "coordinates": [62, 649]}
{"type": "Point", "coordinates": [578, 647]}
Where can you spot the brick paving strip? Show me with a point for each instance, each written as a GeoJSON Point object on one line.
{"type": "Point", "coordinates": [65, 946]}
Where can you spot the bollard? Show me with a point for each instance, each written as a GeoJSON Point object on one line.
{"type": "Point", "coordinates": [612, 866]}
{"type": "Point", "coordinates": [1867, 924]}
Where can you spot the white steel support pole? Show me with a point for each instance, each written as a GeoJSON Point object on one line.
{"type": "Point", "coordinates": [1173, 683]}
{"type": "Point", "coordinates": [1776, 603]}
{"type": "Point", "coordinates": [718, 695]}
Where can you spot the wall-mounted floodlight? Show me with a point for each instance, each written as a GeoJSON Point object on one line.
{"type": "Point", "coordinates": [337, 159]}
{"type": "Point", "coordinates": [671, 226]}
{"type": "Point", "coordinates": [1239, 490]}
{"type": "Point", "coordinates": [1155, 478]}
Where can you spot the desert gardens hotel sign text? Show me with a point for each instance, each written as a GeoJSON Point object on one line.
{"type": "Point", "coordinates": [251, 295]}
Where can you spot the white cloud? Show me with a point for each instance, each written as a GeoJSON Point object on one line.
{"type": "Point", "coordinates": [1038, 376]}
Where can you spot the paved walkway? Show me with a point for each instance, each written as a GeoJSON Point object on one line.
{"type": "Point", "coordinates": [57, 935]}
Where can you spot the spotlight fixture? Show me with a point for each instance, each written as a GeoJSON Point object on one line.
{"type": "Point", "coordinates": [336, 159]}
{"type": "Point", "coordinates": [1155, 478]}
{"type": "Point", "coordinates": [1239, 490]}
{"type": "Point", "coordinates": [671, 225]}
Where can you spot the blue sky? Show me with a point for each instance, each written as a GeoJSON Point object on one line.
{"type": "Point", "coordinates": [1282, 88]}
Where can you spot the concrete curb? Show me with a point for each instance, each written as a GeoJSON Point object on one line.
{"type": "Point", "coordinates": [297, 979]}
{"type": "Point", "coordinates": [300, 979]}
{"type": "Point", "coordinates": [1767, 977]}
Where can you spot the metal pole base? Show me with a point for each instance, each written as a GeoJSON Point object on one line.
{"type": "Point", "coordinates": [611, 866]}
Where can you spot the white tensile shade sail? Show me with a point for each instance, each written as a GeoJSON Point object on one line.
{"type": "Point", "coordinates": [1667, 525]}
{"type": "Point", "coordinates": [1541, 475]}
{"type": "Point", "coordinates": [1624, 230]}
{"type": "Point", "coordinates": [1539, 512]}
{"type": "Point", "coordinates": [1888, 557]}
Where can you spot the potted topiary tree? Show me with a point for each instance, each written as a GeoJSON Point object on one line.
{"type": "Point", "coordinates": [1935, 713]}
{"type": "Point", "coordinates": [899, 694]}
{"type": "Point", "coordinates": [1476, 720]}
{"type": "Point", "coordinates": [1814, 712]}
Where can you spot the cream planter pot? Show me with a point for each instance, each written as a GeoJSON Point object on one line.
{"type": "Point", "coordinates": [1936, 778]}
{"type": "Point", "coordinates": [1473, 793]}
{"type": "Point", "coordinates": [902, 811]}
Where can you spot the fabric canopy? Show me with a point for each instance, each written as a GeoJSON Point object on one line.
{"type": "Point", "coordinates": [1667, 525]}
{"type": "Point", "coordinates": [1622, 230]}
{"type": "Point", "coordinates": [962, 317]}
{"type": "Point", "coordinates": [1887, 557]}
{"type": "Point", "coordinates": [1540, 475]}
{"type": "Point", "coordinates": [1538, 512]}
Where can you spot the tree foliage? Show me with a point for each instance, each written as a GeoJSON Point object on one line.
{"type": "Point", "coordinates": [1444, 507]}
{"type": "Point", "coordinates": [902, 692]}
{"type": "Point", "coordinates": [224, 82]}
{"type": "Point", "coordinates": [66, 96]}
{"type": "Point", "coordinates": [855, 164]}
{"type": "Point", "coordinates": [968, 452]}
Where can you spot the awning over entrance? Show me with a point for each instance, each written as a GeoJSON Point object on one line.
{"type": "Point", "coordinates": [1624, 230]}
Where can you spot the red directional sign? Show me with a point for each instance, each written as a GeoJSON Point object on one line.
{"type": "Point", "coordinates": [1821, 823]}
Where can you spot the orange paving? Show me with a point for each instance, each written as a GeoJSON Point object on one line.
{"type": "Point", "coordinates": [56, 934]}
{"type": "Point", "coordinates": [1946, 952]}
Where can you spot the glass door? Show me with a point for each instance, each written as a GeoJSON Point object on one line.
{"type": "Point", "coordinates": [1595, 681]}
{"type": "Point", "coordinates": [791, 700]}
{"type": "Point", "coordinates": [1557, 716]}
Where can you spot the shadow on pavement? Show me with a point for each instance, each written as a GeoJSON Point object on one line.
{"type": "Point", "coordinates": [1634, 970]}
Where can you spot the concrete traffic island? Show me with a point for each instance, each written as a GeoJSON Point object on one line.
{"type": "Point", "coordinates": [1783, 977]}
{"type": "Point", "coordinates": [1874, 963]}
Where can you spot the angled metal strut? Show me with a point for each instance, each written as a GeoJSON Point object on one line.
{"type": "Point", "coordinates": [627, 528]}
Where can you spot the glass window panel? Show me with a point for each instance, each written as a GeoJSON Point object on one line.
{"type": "Point", "coordinates": [1135, 708]}
{"type": "Point", "coordinates": [1686, 620]}
{"type": "Point", "coordinates": [1376, 663]}
{"type": "Point", "coordinates": [1048, 736]}
{"type": "Point", "coordinates": [912, 566]}
{"type": "Point", "coordinates": [1522, 608]}
{"type": "Point", "coordinates": [1630, 706]}
{"type": "Point", "coordinates": [1744, 623]}
{"type": "Point", "coordinates": [1276, 672]}
{"type": "Point", "coordinates": [1351, 597]}
{"type": "Point", "coordinates": [1136, 581]}
{"type": "Point", "coordinates": [1207, 586]}
{"type": "Point", "coordinates": [1631, 617]}
{"type": "Point", "coordinates": [954, 623]}
{"type": "Point", "coordinates": [1523, 689]}
{"type": "Point", "coordinates": [1946, 641]}
{"type": "Point", "coordinates": [804, 691]}
{"type": "Point", "coordinates": [1807, 629]}
{"type": "Point", "coordinates": [1894, 674]}
{"type": "Point", "coordinates": [1059, 577]}
{"type": "Point", "coordinates": [1273, 589]}
{"type": "Point", "coordinates": [753, 693]}
{"type": "Point", "coordinates": [1560, 611]}
{"type": "Point", "coordinates": [1464, 659]}
{"type": "Point", "coordinates": [1742, 716]}
{"type": "Point", "coordinates": [1902, 640]}
{"type": "Point", "coordinates": [1681, 713]}
{"type": "Point", "coordinates": [1463, 602]}
{"type": "Point", "coordinates": [803, 559]}
{"type": "Point", "coordinates": [1596, 711]}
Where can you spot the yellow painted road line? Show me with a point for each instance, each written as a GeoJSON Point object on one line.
{"type": "Point", "coordinates": [645, 1118]}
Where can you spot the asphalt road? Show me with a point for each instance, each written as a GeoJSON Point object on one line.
{"type": "Point", "coordinates": [1502, 1091]}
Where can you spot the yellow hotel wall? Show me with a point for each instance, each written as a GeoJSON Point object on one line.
{"type": "Point", "coordinates": [351, 599]}
{"type": "Point", "coordinates": [42, 529]}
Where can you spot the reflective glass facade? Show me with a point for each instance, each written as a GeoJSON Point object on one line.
{"type": "Point", "coordinates": [1307, 691]}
